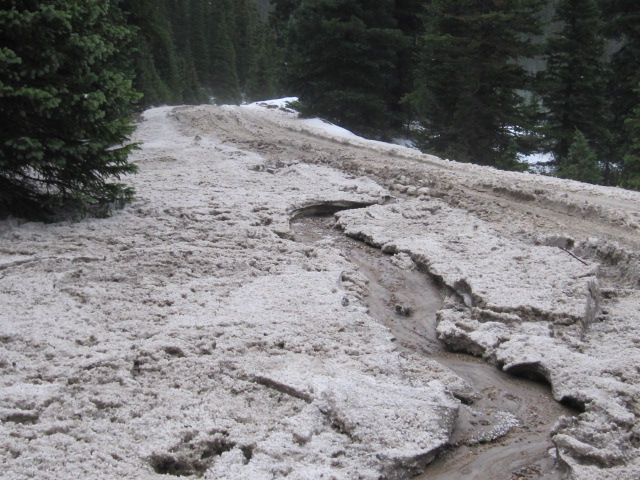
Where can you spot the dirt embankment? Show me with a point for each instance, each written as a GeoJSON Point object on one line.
{"type": "Point", "coordinates": [191, 335]}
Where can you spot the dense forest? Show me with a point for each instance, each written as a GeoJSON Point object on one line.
{"type": "Point", "coordinates": [477, 81]}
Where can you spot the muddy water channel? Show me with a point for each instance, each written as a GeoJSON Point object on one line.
{"type": "Point", "coordinates": [504, 422]}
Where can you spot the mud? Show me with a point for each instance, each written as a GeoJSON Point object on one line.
{"type": "Point", "coordinates": [502, 430]}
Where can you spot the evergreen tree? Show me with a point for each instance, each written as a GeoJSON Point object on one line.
{"type": "Point", "coordinates": [198, 44]}
{"type": "Point", "coordinates": [631, 162]}
{"type": "Point", "coordinates": [574, 83]}
{"type": "Point", "coordinates": [408, 15]}
{"type": "Point", "coordinates": [623, 27]}
{"type": "Point", "coordinates": [66, 100]}
{"type": "Point", "coordinates": [244, 38]}
{"type": "Point", "coordinates": [224, 81]}
{"type": "Point", "coordinates": [264, 7]}
{"type": "Point", "coordinates": [180, 14]}
{"type": "Point", "coordinates": [262, 81]}
{"type": "Point", "coordinates": [148, 80]}
{"type": "Point", "coordinates": [189, 50]}
{"type": "Point", "coordinates": [280, 16]}
{"type": "Point", "coordinates": [581, 162]}
{"type": "Point", "coordinates": [468, 92]}
{"type": "Point", "coordinates": [342, 56]}
{"type": "Point", "coordinates": [163, 49]}
{"type": "Point", "coordinates": [193, 92]}
{"type": "Point", "coordinates": [158, 76]}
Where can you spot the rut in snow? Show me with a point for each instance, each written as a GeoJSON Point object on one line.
{"type": "Point", "coordinates": [504, 423]}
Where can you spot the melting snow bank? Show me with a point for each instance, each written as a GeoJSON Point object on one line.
{"type": "Point", "coordinates": [188, 336]}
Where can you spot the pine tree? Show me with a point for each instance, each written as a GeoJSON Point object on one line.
{"type": "Point", "coordinates": [158, 76]}
{"type": "Point", "coordinates": [192, 88]}
{"type": "Point", "coordinates": [468, 92]}
{"type": "Point", "coordinates": [262, 81]}
{"type": "Point", "coordinates": [581, 162]}
{"type": "Point", "coordinates": [224, 81]}
{"type": "Point", "coordinates": [264, 7]}
{"type": "Point", "coordinates": [409, 17]}
{"type": "Point", "coordinates": [574, 83]}
{"type": "Point", "coordinates": [342, 56]}
{"type": "Point", "coordinates": [198, 44]}
{"type": "Point", "coordinates": [631, 161]}
{"type": "Point", "coordinates": [66, 101]}
{"type": "Point", "coordinates": [244, 38]}
{"type": "Point", "coordinates": [623, 27]}
{"type": "Point", "coordinates": [279, 17]}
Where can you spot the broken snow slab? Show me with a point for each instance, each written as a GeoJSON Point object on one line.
{"type": "Point", "coordinates": [533, 310]}
{"type": "Point", "coordinates": [397, 426]}
{"type": "Point", "coordinates": [484, 268]}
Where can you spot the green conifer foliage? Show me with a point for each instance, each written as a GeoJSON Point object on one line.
{"type": "Point", "coordinates": [623, 26]}
{"type": "Point", "coordinates": [631, 162]}
{"type": "Point", "coordinates": [581, 162]}
{"type": "Point", "coordinates": [409, 18]}
{"type": "Point", "coordinates": [281, 13]}
{"type": "Point", "coordinates": [197, 32]}
{"type": "Point", "coordinates": [342, 58]}
{"type": "Point", "coordinates": [279, 17]}
{"type": "Point", "coordinates": [262, 81]}
{"type": "Point", "coordinates": [224, 81]}
{"type": "Point", "coordinates": [468, 90]}
{"type": "Point", "coordinates": [574, 83]}
{"type": "Point", "coordinates": [180, 14]}
{"type": "Point", "coordinates": [264, 7]}
{"type": "Point", "coordinates": [158, 75]}
{"type": "Point", "coordinates": [65, 104]}
{"type": "Point", "coordinates": [244, 38]}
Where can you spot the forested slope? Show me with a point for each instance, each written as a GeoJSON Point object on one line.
{"type": "Point", "coordinates": [454, 77]}
{"type": "Point", "coordinates": [458, 70]}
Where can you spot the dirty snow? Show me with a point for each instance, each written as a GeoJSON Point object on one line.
{"type": "Point", "coordinates": [189, 334]}
{"type": "Point", "coordinates": [183, 336]}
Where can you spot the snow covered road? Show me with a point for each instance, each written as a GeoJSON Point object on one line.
{"type": "Point", "coordinates": [190, 335]}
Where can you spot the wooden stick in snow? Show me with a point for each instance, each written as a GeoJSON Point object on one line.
{"type": "Point", "coordinates": [577, 258]}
